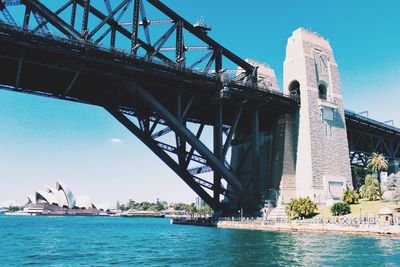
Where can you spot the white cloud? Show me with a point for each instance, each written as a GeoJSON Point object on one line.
{"type": "Point", "coordinates": [114, 141]}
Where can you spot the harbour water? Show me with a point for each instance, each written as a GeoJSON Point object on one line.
{"type": "Point", "coordinates": [100, 241]}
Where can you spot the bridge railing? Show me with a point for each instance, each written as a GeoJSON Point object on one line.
{"type": "Point", "coordinates": [372, 121]}
{"type": "Point", "coordinates": [123, 54]}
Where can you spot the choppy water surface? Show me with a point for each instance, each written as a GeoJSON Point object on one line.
{"type": "Point", "coordinates": [98, 241]}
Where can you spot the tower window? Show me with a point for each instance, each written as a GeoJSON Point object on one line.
{"type": "Point", "coordinates": [294, 89]}
{"type": "Point", "coordinates": [323, 92]}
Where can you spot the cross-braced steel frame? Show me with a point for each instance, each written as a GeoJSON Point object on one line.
{"type": "Point", "coordinates": [152, 94]}
{"type": "Point", "coordinates": [367, 136]}
{"type": "Point", "coordinates": [106, 29]}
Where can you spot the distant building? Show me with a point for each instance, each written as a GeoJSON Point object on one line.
{"type": "Point", "coordinates": [60, 200]}
{"type": "Point", "coordinates": [199, 203]}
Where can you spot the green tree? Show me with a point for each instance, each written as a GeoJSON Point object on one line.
{"type": "Point", "coordinates": [13, 208]}
{"type": "Point", "coordinates": [370, 189]}
{"type": "Point", "coordinates": [358, 174]}
{"type": "Point", "coordinates": [350, 196]}
{"type": "Point", "coordinates": [300, 207]}
{"type": "Point", "coordinates": [131, 204]}
{"type": "Point", "coordinates": [179, 206]}
{"type": "Point", "coordinates": [208, 210]}
{"type": "Point", "coordinates": [205, 210]}
{"type": "Point", "coordinates": [144, 205]}
{"type": "Point", "coordinates": [190, 208]}
{"type": "Point", "coordinates": [377, 163]}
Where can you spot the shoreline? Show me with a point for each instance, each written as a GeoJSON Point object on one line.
{"type": "Point", "coordinates": [372, 230]}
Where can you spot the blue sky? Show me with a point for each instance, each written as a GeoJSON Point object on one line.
{"type": "Point", "coordinates": [42, 139]}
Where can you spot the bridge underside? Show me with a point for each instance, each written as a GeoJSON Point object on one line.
{"type": "Point", "coordinates": [153, 101]}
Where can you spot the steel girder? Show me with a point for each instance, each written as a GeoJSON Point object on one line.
{"type": "Point", "coordinates": [178, 127]}
{"type": "Point", "coordinates": [366, 143]}
{"type": "Point", "coordinates": [366, 136]}
{"type": "Point", "coordinates": [148, 141]}
{"type": "Point", "coordinates": [95, 32]}
{"type": "Point", "coordinates": [180, 165]}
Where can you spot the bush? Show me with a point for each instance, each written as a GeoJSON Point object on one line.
{"type": "Point", "coordinates": [350, 196]}
{"type": "Point", "coordinates": [300, 207]}
{"type": "Point", "coordinates": [340, 208]}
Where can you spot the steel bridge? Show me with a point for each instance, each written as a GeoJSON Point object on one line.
{"type": "Point", "coordinates": [105, 55]}
{"type": "Point", "coordinates": [366, 136]}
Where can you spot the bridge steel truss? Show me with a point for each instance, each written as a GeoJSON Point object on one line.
{"type": "Point", "coordinates": [153, 96]}
{"type": "Point", "coordinates": [367, 136]}
{"type": "Point", "coordinates": [108, 28]}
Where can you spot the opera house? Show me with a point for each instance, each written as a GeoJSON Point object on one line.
{"type": "Point", "coordinates": [60, 200]}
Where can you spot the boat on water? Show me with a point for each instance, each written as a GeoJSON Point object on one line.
{"type": "Point", "coordinates": [20, 213]}
{"type": "Point", "coordinates": [29, 210]}
{"type": "Point", "coordinates": [200, 221]}
{"type": "Point", "coordinates": [142, 213]}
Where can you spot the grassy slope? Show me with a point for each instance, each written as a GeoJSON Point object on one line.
{"type": "Point", "coordinates": [365, 207]}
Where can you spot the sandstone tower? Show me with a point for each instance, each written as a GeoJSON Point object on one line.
{"type": "Point", "coordinates": [321, 159]}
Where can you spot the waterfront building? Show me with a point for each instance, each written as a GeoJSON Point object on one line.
{"type": "Point", "coordinates": [199, 203]}
{"type": "Point", "coordinates": [60, 200]}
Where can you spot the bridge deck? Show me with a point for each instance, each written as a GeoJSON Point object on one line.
{"type": "Point", "coordinates": [77, 71]}
{"type": "Point", "coordinates": [361, 122]}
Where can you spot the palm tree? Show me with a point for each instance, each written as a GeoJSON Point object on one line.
{"type": "Point", "coordinates": [371, 188]}
{"type": "Point", "coordinates": [350, 196]}
{"type": "Point", "coordinates": [377, 163]}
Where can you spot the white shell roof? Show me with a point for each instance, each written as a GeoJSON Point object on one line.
{"type": "Point", "coordinates": [62, 196]}
{"type": "Point", "coordinates": [48, 197]}
{"type": "Point", "coordinates": [60, 186]}
{"type": "Point", "coordinates": [83, 202]}
{"type": "Point", "coordinates": [31, 198]}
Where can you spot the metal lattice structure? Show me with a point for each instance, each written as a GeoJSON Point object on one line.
{"type": "Point", "coordinates": [166, 101]}
{"type": "Point", "coordinates": [366, 136]}
{"type": "Point", "coordinates": [107, 30]}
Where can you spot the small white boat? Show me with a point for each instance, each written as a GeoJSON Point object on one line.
{"type": "Point", "coordinates": [19, 213]}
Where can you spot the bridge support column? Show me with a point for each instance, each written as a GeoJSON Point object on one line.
{"type": "Point", "coordinates": [283, 180]}
{"type": "Point", "coordinates": [256, 154]}
{"type": "Point", "coordinates": [218, 150]}
{"type": "Point", "coordinates": [322, 163]}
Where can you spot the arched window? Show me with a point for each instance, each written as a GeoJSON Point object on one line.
{"type": "Point", "coordinates": [323, 91]}
{"type": "Point", "coordinates": [294, 89]}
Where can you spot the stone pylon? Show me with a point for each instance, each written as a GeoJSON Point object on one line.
{"type": "Point", "coordinates": [316, 154]}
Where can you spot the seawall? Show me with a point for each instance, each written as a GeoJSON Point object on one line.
{"type": "Point", "coordinates": [363, 229]}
